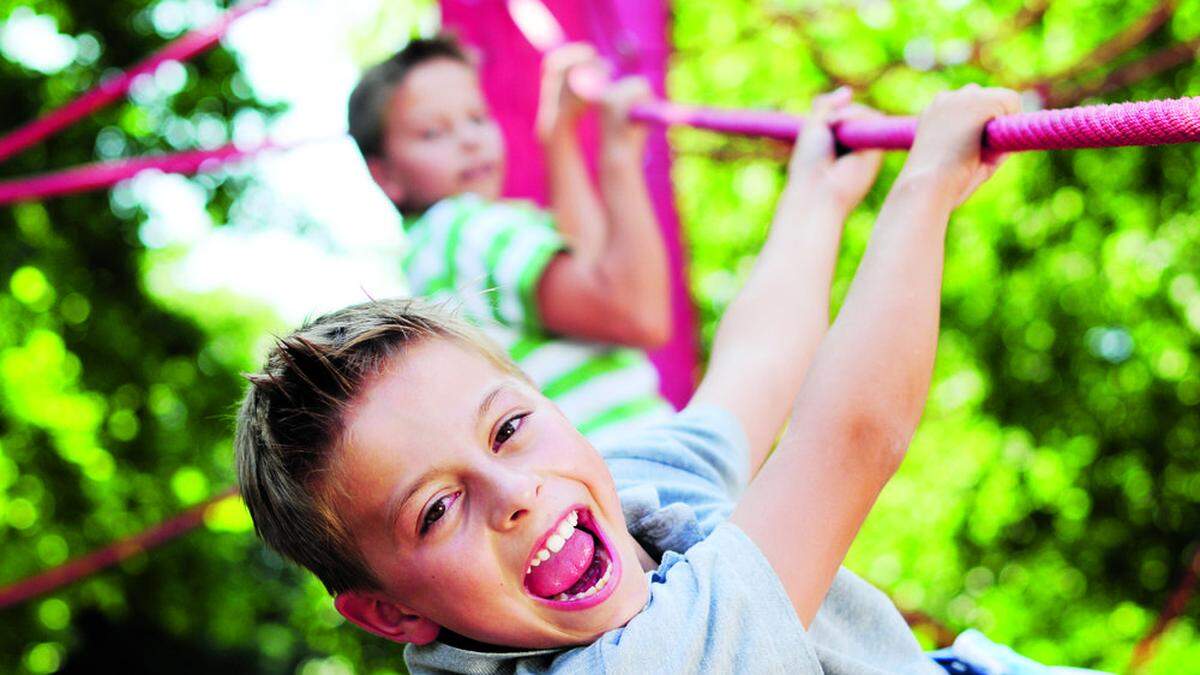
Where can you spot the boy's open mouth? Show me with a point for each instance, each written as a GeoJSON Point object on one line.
{"type": "Point", "coordinates": [573, 567]}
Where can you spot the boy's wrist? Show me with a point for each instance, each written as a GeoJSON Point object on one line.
{"type": "Point", "coordinates": [923, 188]}
{"type": "Point", "coordinates": [811, 203]}
{"type": "Point", "coordinates": [621, 154]}
{"type": "Point", "coordinates": [560, 130]}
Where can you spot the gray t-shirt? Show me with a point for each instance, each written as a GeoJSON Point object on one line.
{"type": "Point", "coordinates": [715, 605]}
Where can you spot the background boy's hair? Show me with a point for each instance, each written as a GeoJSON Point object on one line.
{"type": "Point", "coordinates": [369, 99]}
{"type": "Point", "coordinates": [291, 423]}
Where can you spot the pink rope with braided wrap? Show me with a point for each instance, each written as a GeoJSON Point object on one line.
{"type": "Point", "coordinates": [1158, 122]}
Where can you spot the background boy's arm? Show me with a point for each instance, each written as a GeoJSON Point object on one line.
{"type": "Point", "coordinates": [769, 333]}
{"type": "Point", "coordinates": [864, 393]}
{"type": "Point", "coordinates": [613, 284]}
{"type": "Point", "coordinates": [577, 209]}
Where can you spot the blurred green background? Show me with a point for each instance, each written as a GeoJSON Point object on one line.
{"type": "Point", "coordinates": [1050, 499]}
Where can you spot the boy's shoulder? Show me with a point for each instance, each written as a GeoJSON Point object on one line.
{"type": "Point", "coordinates": [697, 459]}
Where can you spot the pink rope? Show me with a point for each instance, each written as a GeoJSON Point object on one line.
{"type": "Point", "coordinates": [1158, 122]}
{"type": "Point", "coordinates": [110, 90]}
{"type": "Point", "coordinates": [106, 174]}
{"type": "Point", "coordinates": [110, 555]}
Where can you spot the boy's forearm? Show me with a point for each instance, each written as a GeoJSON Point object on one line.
{"type": "Point", "coordinates": [886, 332]}
{"type": "Point", "coordinates": [769, 333]}
{"type": "Point", "coordinates": [633, 260]}
{"type": "Point", "coordinates": [859, 403]}
{"type": "Point", "coordinates": [577, 209]}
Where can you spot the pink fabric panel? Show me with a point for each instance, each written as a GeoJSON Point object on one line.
{"type": "Point", "coordinates": [632, 34]}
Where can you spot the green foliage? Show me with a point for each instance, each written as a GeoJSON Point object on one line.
{"type": "Point", "coordinates": [1049, 498]}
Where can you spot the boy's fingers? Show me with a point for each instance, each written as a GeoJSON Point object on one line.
{"type": "Point", "coordinates": [853, 111]}
{"type": "Point", "coordinates": [825, 104]}
{"type": "Point", "coordinates": [574, 52]}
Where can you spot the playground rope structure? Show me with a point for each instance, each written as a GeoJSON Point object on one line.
{"type": "Point", "coordinates": [1146, 123]}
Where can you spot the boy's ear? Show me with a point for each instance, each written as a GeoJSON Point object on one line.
{"type": "Point", "coordinates": [386, 179]}
{"type": "Point", "coordinates": [385, 618]}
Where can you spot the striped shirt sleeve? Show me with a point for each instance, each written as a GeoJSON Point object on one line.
{"type": "Point", "coordinates": [487, 255]}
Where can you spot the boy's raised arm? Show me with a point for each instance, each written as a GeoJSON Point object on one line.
{"type": "Point", "coordinates": [769, 333]}
{"type": "Point", "coordinates": [613, 284]}
{"type": "Point", "coordinates": [863, 395]}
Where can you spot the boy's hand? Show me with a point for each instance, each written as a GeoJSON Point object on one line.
{"type": "Point", "coordinates": [949, 143]}
{"type": "Point", "coordinates": [620, 133]}
{"type": "Point", "coordinates": [559, 107]}
{"type": "Point", "coordinates": [814, 164]}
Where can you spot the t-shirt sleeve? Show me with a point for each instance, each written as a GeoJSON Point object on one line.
{"type": "Point", "coordinates": [719, 608]}
{"type": "Point", "coordinates": [488, 256]}
{"type": "Point", "coordinates": [699, 457]}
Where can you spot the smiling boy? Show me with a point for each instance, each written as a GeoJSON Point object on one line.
{"type": "Point", "coordinates": [573, 293]}
{"type": "Point", "coordinates": [447, 504]}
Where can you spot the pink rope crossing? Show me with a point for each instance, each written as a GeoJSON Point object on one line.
{"type": "Point", "coordinates": [1158, 122]}
{"type": "Point", "coordinates": [106, 92]}
{"type": "Point", "coordinates": [106, 174]}
{"type": "Point", "coordinates": [110, 555]}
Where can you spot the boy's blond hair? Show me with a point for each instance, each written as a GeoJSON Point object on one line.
{"type": "Point", "coordinates": [291, 421]}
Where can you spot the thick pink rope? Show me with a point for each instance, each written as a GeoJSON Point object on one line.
{"type": "Point", "coordinates": [106, 174]}
{"type": "Point", "coordinates": [1159, 122]}
{"type": "Point", "coordinates": [110, 555]}
{"type": "Point", "coordinates": [112, 89]}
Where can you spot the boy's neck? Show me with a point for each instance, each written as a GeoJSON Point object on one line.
{"type": "Point", "coordinates": [648, 563]}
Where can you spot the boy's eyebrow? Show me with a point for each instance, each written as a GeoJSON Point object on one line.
{"type": "Point", "coordinates": [396, 506]}
{"type": "Point", "coordinates": [489, 400]}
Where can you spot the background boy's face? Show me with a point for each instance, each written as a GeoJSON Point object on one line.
{"type": "Point", "coordinates": [482, 470]}
{"type": "Point", "coordinates": [439, 138]}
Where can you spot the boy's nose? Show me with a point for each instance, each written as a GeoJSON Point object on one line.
{"type": "Point", "coordinates": [469, 140]}
{"type": "Point", "coordinates": [517, 493]}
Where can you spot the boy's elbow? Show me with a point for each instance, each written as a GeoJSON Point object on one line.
{"type": "Point", "coordinates": [880, 441]}
{"type": "Point", "coordinates": [655, 330]}
{"type": "Point", "coordinates": [645, 329]}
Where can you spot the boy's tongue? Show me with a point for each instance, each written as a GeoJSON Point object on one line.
{"type": "Point", "coordinates": [564, 568]}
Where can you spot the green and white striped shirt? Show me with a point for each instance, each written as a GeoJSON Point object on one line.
{"type": "Point", "coordinates": [488, 258]}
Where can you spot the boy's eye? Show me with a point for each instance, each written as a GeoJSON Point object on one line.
{"type": "Point", "coordinates": [507, 429]}
{"type": "Point", "coordinates": [430, 134]}
{"type": "Point", "coordinates": [436, 511]}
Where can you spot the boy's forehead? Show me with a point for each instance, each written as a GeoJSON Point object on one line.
{"type": "Point", "coordinates": [435, 84]}
{"type": "Point", "coordinates": [428, 395]}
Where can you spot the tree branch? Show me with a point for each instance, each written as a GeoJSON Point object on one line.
{"type": "Point", "coordinates": [1108, 51]}
{"type": "Point", "coordinates": [1128, 74]}
{"type": "Point", "coordinates": [1175, 606]}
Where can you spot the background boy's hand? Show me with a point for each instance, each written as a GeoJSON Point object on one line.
{"type": "Point", "coordinates": [559, 107]}
{"type": "Point", "coordinates": [814, 164]}
{"type": "Point", "coordinates": [949, 148]}
{"type": "Point", "coordinates": [620, 133]}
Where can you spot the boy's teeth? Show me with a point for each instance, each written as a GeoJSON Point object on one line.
{"type": "Point", "coordinates": [565, 529]}
{"type": "Point", "coordinates": [554, 544]}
